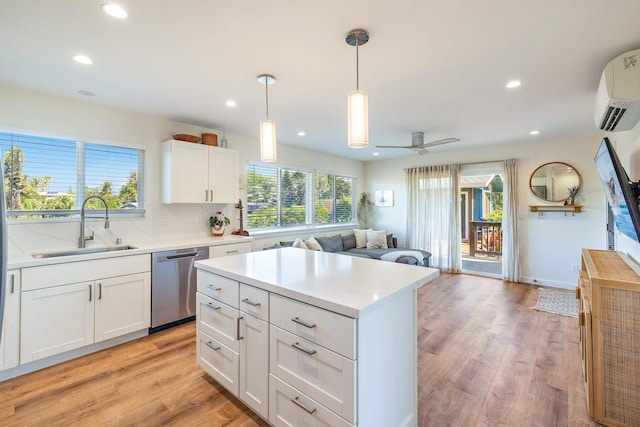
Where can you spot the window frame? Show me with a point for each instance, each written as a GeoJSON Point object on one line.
{"type": "Point", "coordinates": [310, 200]}
{"type": "Point", "coordinates": [72, 215]}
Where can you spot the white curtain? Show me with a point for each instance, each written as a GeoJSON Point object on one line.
{"type": "Point", "coordinates": [510, 242]}
{"type": "Point", "coordinates": [433, 220]}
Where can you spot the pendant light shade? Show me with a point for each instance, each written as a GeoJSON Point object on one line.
{"type": "Point", "coordinates": [357, 100]}
{"type": "Point", "coordinates": [268, 151]}
{"type": "Point", "coordinates": [358, 121]}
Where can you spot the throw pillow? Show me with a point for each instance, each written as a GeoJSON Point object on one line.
{"type": "Point", "coordinates": [376, 239]}
{"type": "Point", "coordinates": [313, 244]}
{"type": "Point", "coordinates": [298, 243]}
{"type": "Point", "coordinates": [361, 237]}
{"type": "Point", "coordinates": [331, 243]}
{"type": "Point", "coordinates": [390, 240]}
{"type": "Point", "coordinates": [348, 242]}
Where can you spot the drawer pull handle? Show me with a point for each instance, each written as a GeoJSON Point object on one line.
{"type": "Point", "coordinates": [303, 323]}
{"type": "Point", "coordinates": [211, 346]}
{"type": "Point", "coordinates": [301, 348]}
{"type": "Point", "coordinates": [297, 402]}
{"type": "Point", "coordinates": [232, 252]}
{"type": "Point", "coordinates": [248, 301]}
{"type": "Point", "coordinates": [581, 320]}
{"type": "Point", "coordinates": [213, 288]}
{"type": "Point", "coordinates": [238, 337]}
{"type": "Point", "coordinates": [213, 306]}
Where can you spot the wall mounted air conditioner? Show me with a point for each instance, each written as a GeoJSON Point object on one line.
{"type": "Point", "coordinates": [617, 105]}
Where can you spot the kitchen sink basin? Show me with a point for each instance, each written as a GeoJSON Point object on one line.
{"type": "Point", "coordinates": [82, 251]}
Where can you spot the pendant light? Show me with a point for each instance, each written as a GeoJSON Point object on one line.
{"type": "Point", "coordinates": [358, 100]}
{"type": "Point", "coordinates": [267, 127]}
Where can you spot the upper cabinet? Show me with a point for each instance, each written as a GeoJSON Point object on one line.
{"type": "Point", "coordinates": [197, 173]}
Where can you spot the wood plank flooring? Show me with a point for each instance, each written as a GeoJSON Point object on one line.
{"type": "Point", "coordinates": [485, 359]}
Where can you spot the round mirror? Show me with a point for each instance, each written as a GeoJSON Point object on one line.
{"type": "Point", "coordinates": [551, 181]}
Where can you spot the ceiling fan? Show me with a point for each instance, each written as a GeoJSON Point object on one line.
{"type": "Point", "coordinates": [418, 144]}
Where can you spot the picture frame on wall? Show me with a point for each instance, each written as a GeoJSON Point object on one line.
{"type": "Point", "coordinates": [384, 198]}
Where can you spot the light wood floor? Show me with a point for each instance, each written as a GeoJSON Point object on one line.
{"type": "Point", "coordinates": [485, 359]}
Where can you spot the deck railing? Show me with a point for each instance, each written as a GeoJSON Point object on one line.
{"type": "Point", "coordinates": [485, 237]}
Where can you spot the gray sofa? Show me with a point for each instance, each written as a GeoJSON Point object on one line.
{"type": "Point", "coordinates": [346, 245]}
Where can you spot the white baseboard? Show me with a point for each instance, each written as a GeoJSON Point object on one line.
{"type": "Point", "coordinates": [551, 283]}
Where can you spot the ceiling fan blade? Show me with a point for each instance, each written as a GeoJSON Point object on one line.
{"type": "Point", "coordinates": [395, 146]}
{"type": "Point", "coordinates": [439, 142]}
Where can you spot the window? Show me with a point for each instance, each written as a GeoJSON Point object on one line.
{"type": "Point", "coordinates": [50, 178]}
{"type": "Point", "coordinates": [334, 201]}
{"type": "Point", "coordinates": [282, 197]}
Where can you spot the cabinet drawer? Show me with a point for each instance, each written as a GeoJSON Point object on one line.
{"type": "Point", "coordinates": [330, 330]}
{"type": "Point", "coordinates": [254, 301]}
{"type": "Point", "coordinates": [219, 288]}
{"type": "Point", "coordinates": [289, 407]}
{"type": "Point", "coordinates": [219, 361]}
{"type": "Point", "coordinates": [218, 320]}
{"type": "Point", "coordinates": [323, 375]}
{"type": "Point", "coordinates": [230, 249]}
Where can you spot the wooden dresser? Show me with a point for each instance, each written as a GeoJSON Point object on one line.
{"type": "Point", "coordinates": [609, 330]}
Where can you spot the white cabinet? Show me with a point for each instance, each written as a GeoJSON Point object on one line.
{"type": "Point", "coordinates": [109, 298]}
{"type": "Point", "coordinates": [229, 249]}
{"type": "Point", "coordinates": [233, 338]}
{"type": "Point", "coordinates": [197, 173]}
{"type": "Point", "coordinates": [122, 305]}
{"type": "Point", "coordinates": [55, 320]}
{"type": "Point", "coordinates": [10, 341]}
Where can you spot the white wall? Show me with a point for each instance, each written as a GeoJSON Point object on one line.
{"type": "Point", "coordinates": [26, 110]}
{"type": "Point", "coordinates": [551, 243]}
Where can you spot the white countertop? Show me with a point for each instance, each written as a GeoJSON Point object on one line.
{"type": "Point", "coordinates": [27, 260]}
{"type": "Point", "coordinates": [345, 284]}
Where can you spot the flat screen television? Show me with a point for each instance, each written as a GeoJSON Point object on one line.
{"type": "Point", "coordinates": [622, 194]}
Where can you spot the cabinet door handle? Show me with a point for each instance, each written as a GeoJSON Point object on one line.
{"type": "Point", "coordinates": [213, 306]}
{"type": "Point", "coordinates": [248, 301]}
{"type": "Point", "coordinates": [301, 348]}
{"type": "Point", "coordinates": [238, 337]}
{"type": "Point", "coordinates": [213, 288]}
{"type": "Point", "coordinates": [211, 192]}
{"type": "Point", "coordinates": [90, 292]}
{"type": "Point", "coordinates": [578, 293]}
{"type": "Point", "coordinates": [211, 346]}
{"type": "Point", "coordinates": [297, 402]}
{"type": "Point", "coordinates": [581, 321]}
{"type": "Point", "coordinates": [13, 283]}
{"type": "Point", "coordinates": [303, 323]}
{"type": "Point", "coordinates": [206, 195]}
{"type": "Point", "coordinates": [99, 290]}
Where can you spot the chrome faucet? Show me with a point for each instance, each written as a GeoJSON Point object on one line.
{"type": "Point", "coordinates": [83, 240]}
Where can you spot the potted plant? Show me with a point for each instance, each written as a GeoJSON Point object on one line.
{"type": "Point", "coordinates": [218, 222]}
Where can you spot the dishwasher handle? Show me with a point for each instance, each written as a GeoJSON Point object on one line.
{"type": "Point", "coordinates": [187, 255]}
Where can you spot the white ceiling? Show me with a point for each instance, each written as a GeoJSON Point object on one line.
{"type": "Point", "coordinates": [433, 66]}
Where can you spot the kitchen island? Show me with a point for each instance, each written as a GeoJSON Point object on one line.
{"type": "Point", "coordinates": [312, 338]}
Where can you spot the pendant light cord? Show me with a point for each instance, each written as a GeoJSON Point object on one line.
{"type": "Point", "coordinates": [357, 63]}
{"type": "Point", "coordinates": [266, 89]}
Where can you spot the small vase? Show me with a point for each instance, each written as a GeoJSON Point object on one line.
{"type": "Point", "coordinates": [217, 230]}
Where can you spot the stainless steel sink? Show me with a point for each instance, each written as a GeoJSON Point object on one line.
{"type": "Point", "coordinates": [82, 251]}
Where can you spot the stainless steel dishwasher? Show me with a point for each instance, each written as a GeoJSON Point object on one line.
{"type": "Point", "coordinates": [173, 286]}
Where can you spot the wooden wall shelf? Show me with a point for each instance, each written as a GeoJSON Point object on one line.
{"type": "Point", "coordinates": [573, 209]}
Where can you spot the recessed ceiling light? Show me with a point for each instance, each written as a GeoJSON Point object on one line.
{"type": "Point", "coordinates": [534, 132]}
{"type": "Point", "coordinates": [115, 10]}
{"type": "Point", "coordinates": [86, 93]}
{"type": "Point", "coordinates": [230, 103]}
{"type": "Point", "coordinates": [513, 83]}
{"type": "Point", "coordinates": [376, 154]}
{"type": "Point", "coordinates": [302, 133]}
{"type": "Point", "coordinates": [83, 59]}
